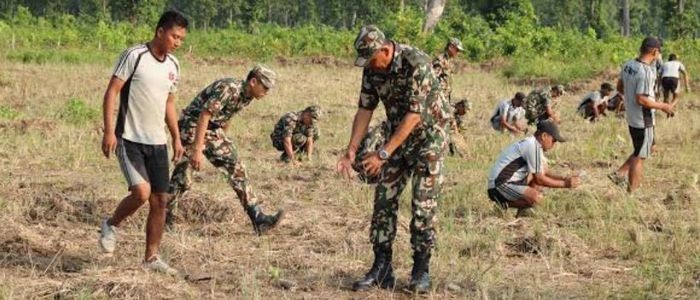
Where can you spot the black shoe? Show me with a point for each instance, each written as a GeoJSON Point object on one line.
{"type": "Point", "coordinates": [262, 222]}
{"type": "Point", "coordinates": [420, 274]}
{"type": "Point", "coordinates": [381, 273]}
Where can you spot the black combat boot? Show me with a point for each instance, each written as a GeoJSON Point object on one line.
{"type": "Point", "coordinates": [381, 273]}
{"type": "Point", "coordinates": [262, 222]}
{"type": "Point", "coordinates": [420, 277]}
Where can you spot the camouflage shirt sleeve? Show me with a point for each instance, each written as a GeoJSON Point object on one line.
{"type": "Point", "coordinates": [311, 131]}
{"type": "Point", "coordinates": [369, 99]}
{"type": "Point", "coordinates": [216, 96]}
{"type": "Point", "coordinates": [288, 125]}
{"type": "Point", "coordinates": [420, 88]}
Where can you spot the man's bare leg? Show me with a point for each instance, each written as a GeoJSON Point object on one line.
{"type": "Point", "coordinates": [155, 224]}
{"type": "Point", "coordinates": [138, 196]}
{"type": "Point", "coordinates": [635, 173]}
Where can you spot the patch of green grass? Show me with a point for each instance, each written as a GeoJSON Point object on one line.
{"type": "Point", "coordinates": [8, 113]}
{"type": "Point", "coordinates": [77, 112]}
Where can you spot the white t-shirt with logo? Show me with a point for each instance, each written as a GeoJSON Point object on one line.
{"type": "Point", "coordinates": [147, 85]}
{"type": "Point", "coordinates": [512, 113]}
{"type": "Point", "coordinates": [639, 79]}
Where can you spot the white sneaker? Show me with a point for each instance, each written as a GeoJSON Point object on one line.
{"type": "Point", "coordinates": [159, 265]}
{"type": "Point", "coordinates": [108, 237]}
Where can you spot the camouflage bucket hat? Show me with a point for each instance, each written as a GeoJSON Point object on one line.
{"type": "Point", "coordinates": [367, 42]}
{"type": "Point", "coordinates": [266, 76]}
{"type": "Point", "coordinates": [314, 110]}
{"type": "Point", "coordinates": [457, 43]}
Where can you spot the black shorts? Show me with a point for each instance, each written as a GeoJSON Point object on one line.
{"type": "Point", "coordinates": [143, 163]}
{"type": "Point", "coordinates": [642, 140]}
{"type": "Point", "coordinates": [670, 84]}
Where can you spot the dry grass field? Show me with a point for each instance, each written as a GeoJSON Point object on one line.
{"type": "Point", "coordinates": [595, 242]}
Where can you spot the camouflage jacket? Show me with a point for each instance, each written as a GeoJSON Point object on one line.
{"type": "Point", "coordinates": [223, 99]}
{"type": "Point", "coordinates": [408, 86]}
{"type": "Point", "coordinates": [536, 103]}
{"type": "Point", "coordinates": [443, 72]}
{"type": "Point", "coordinates": [290, 124]}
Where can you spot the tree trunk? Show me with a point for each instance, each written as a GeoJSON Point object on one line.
{"type": "Point", "coordinates": [681, 5]}
{"type": "Point", "coordinates": [626, 18]}
{"type": "Point", "coordinates": [433, 14]}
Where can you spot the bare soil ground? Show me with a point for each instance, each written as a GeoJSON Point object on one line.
{"type": "Point", "coordinates": [590, 243]}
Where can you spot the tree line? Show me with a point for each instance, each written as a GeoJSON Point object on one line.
{"type": "Point", "coordinates": [665, 18]}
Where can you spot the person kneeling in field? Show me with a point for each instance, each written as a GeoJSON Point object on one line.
{"type": "Point", "coordinates": [371, 142]}
{"type": "Point", "coordinates": [296, 133]}
{"type": "Point", "coordinates": [202, 126]}
{"type": "Point", "coordinates": [616, 103]}
{"type": "Point", "coordinates": [595, 103]}
{"type": "Point", "coordinates": [521, 170]}
{"type": "Point", "coordinates": [539, 104]}
{"type": "Point", "coordinates": [509, 115]}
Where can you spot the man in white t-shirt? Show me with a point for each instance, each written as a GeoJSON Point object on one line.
{"type": "Point", "coordinates": [595, 103]}
{"type": "Point", "coordinates": [145, 78]}
{"type": "Point", "coordinates": [636, 83]}
{"type": "Point", "coordinates": [510, 115]}
{"type": "Point", "coordinates": [521, 169]}
{"type": "Point", "coordinates": [670, 73]}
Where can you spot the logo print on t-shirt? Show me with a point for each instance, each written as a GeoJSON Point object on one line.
{"type": "Point", "coordinates": [171, 76]}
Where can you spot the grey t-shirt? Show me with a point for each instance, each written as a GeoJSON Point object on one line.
{"type": "Point", "coordinates": [516, 162]}
{"type": "Point", "coordinates": [639, 79]}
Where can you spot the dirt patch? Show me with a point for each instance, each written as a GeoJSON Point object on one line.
{"type": "Point", "coordinates": [75, 203]}
{"type": "Point", "coordinates": [27, 249]}
{"type": "Point", "coordinates": [200, 208]}
{"type": "Point", "coordinates": [681, 198]}
{"type": "Point", "coordinates": [563, 245]}
{"type": "Point", "coordinates": [27, 125]}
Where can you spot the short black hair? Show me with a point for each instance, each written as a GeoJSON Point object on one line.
{"type": "Point", "coordinates": [520, 96]}
{"type": "Point", "coordinates": [251, 75]}
{"type": "Point", "coordinates": [170, 19]}
{"type": "Point", "coordinates": [606, 86]}
{"type": "Point", "coordinates": [672, 57]}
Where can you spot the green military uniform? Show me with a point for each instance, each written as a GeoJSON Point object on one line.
{"type": "Point", "coordinates": [408, 86]}
{"type": "Point", "coordinates": [291, 125]}
{"type": "Point", "coordinates": [442, 67]}
{"type": "Point", "coordinates": [536, 103]}
{"type": "Point", "coordinates": [223, 99]}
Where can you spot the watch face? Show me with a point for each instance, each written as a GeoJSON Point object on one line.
{"type": "Point", "coordinates": [383, 154]}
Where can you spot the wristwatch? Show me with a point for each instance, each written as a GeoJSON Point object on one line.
{"type": "Point", "coordinates": [383, 155]}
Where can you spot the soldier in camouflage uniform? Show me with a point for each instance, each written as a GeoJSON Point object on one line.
{"type": "Point", "coordinates": [460, 110]}
{"type": "Point", "coordinates": [202, 132]}
{"type": "Point", "coordinates": [442, 67]}
{"type": "Point", "coordinates": [401, 78]}
{"type": "Point", "coordinates": [457, 122]}
{"type": "Point", "coordinates": [540, 102]}
{"type": "Point", "coordinates": [296, 133]}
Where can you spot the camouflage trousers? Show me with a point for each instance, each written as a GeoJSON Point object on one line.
{"type": "Point", "coordinates": [422, 162]}
{"type": "Point", "coordinates": [223, 154]}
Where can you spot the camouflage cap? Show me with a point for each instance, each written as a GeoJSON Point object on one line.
{"type": "Point", "coordinates": [266, 76]}
{"type": "Point", "coordinates": [457, 43]}
{"type": "Point", "coordinates": [314, 110]}
{"type": "Point", "coordinates": [367, 42]}
{"type": "Point", "coordinates": [559, 88]}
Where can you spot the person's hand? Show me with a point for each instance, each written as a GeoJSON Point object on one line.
{"type": "Point", "coordinates": [668, 109]}
{"type": "Point", "coordinates": [372, 163]}
{"type": "Point", "coordinates": [573, 181]}
{"type": "Point", "coordinates": [344, 165]}
{"type": "Point", "coordinates": [109, 143]}
{"type": "Point", "coordinates": [178, 150]}
{"type": "Point", "coordinates": [197, 159]}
